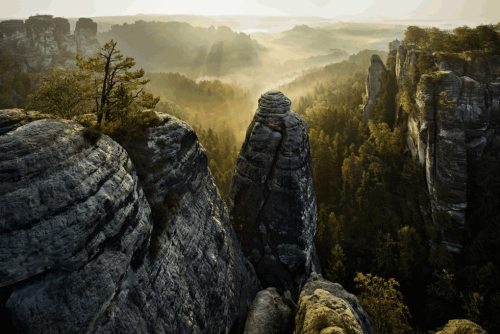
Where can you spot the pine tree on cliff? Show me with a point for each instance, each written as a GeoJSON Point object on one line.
{"type": "Point", "coordinates": [105, 83]}
{"type": "Point", "coordinates": [116, 87]}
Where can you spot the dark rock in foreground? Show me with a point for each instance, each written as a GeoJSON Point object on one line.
{"type": "Point", "coordinates": [80, 252]}
{"type": "Point", "coordinates": [270, 313]}
{"type": "Point", "coordinates": [272, 199]}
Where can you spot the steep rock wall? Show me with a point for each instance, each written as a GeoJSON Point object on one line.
{"type": "Point", "coordinates": [81, 250]}
{"type": "Point", "coordinates": [272, 199]}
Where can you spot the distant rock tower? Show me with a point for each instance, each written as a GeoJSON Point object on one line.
{"type": "Point", "coordinates": [272, 199]}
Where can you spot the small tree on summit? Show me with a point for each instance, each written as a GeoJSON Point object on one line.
{"type": "Point", "coordinates": [105, 84]}
{"type": "Point", "coordinates": [117, 89]}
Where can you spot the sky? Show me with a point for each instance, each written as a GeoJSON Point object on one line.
{"type": "Point", "coordinates": [472, 10]}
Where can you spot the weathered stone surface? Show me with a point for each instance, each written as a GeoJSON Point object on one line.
{"type": "Point", "coordinates": [481, 66]}
{"type": "Point", "coordinates": [80, 251]}
{"type": "Point", "coordinates": [325, 307]}
{"type": "Point", "coordinates": [197, 280]}
{"type": "Point", "coordinates": [462, 326]}
{"type": "Point", "coordinates": [72, 216]}
{"type": "Point", "coordinates": [451, 115]}
{"type": "Point", "coordinates": [43, 41]}
{"type": "Point", "coordinates": [269, 314]}
{"type": "Point", "coordinates": [272, 199]}
{"type": "Point", "coordinates": [451, 128]}
{"type": "Point", "coordinates": [376, 84]}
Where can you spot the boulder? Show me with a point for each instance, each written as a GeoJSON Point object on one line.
{"type": "Point", "coordinates": [326, 308]}
{"type": "Point", "coordinates": [269, 313]}
{"type": "Point", "coordinates": [462, 326]}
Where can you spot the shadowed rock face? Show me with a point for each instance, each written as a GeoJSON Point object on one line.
{"type": "Point", "coordinates": [197, 280]}
{"type": "Point", "coordinates": [269, 313]}
{"type": "Point", "coordinates": [80, 251]}
{"type": "Point", "coordinates": [376, 84]}
{"type": "Point", "coordinates": [452, 120]}
{"type": "Point", "coordinates": [325, 307]}
{"type": "Point", "coordinates": [72, 216]}
{"type": "Point", "coordinates": [452, 130]}
{"type": "Point", "coordinates": [272, 200]}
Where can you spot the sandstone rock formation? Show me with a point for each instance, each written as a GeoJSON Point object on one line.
{"type": "Point", "coordinates": [85, 37]}
{"type": "Point", "coordinates": [272, 199]}
{"type": "Point", "coordinates": [197, 280]}
{"type": "Point", "coordinates": [325, 307]}
{"type": "Point", "coordinates": [449, 103]}
{"type": "Point", "coordinates": [43, 41]}
{"type": "Point", "coordinates": [451, 129]}
{"type": "Point", "coordinates": [462, 326]}
{"type": "Point", "coordinates": [81, 251]}
{"type": "Point", "coordinates": [269, 314]}
{"type": "Point", "coordinates": [376, 85]}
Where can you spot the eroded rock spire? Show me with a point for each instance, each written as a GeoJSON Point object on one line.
{"type": "Point", "coordinates": [272, 200]}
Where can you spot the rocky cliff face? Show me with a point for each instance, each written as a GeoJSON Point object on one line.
{"type": "Point", "coordinates": [272, 200]}
{"type": "Point", "coordinates": [43, 41]}
{"type": "Point", "coordinates": [449, 105]}
{"type": "Point", "coordinates": [82, 251]}
{"type": "Point", "coordinates": [376, 85]}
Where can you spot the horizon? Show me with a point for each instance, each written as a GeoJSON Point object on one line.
{"type": "Point", "coordinates": [380, 11]}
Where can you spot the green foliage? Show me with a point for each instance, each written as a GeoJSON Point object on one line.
{"type": "Point", "coordinates": [105, 85]}
{"type": "Point", "coordinates": [117, 90]}
{"type": "Point", "coordinates": [383, 301]}
{"type": "Point", "coordinates": [64, 92]}
{"type": "Point", "coordinates": [482, 38]}
{"type": "Point", "coordinates": [15, 83]}
{"type": "Point", "coordinates": [222, 153]}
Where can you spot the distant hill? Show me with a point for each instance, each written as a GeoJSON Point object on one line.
{"type": "Point", "coordinates": [309, 79]}
{"type": "Point", "coordinates": [176, 46]}
{"type": "Point", "coordinates": [351, 37]}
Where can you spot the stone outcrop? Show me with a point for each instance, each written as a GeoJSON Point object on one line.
{"type": "Point", "coordinates": [376, 85]}
{"type": "Point", "coordinates": [325, 307]}
{"type": "Point", "coordinates": [43, 41]}
{"type": "Point", "coordinates": [83, 249]}
{"type": "Point", "coordinates": [272, 199]}
{"type": "Point", "coordinates": [451, 129]}
{"type": "Point", "coordinates": [86, 37]}
{"type": "Point", "coordinates": [460, 326]}
{"type": "Point", "coordinates": [270, 313]}
{"type": "Point", "coordinates": [449, 103]}
{"type": "Point", "coordinates": [197, 280]}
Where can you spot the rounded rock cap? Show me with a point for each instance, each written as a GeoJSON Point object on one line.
{"type": "Point", "coordinates": [274, 102]}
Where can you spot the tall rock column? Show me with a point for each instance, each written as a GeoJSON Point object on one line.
{"type": "Point", "coordinates": [376, 83]}
{"type": "Point", "coordinates": [272, 199]}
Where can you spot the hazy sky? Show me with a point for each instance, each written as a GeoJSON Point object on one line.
{"type": "Point", "coordinates": [482, 10]}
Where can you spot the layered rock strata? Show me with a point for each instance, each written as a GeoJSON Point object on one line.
{"type": "Point", "coordinates": [82, 250]}
{"type": "Point", "coordinates": [272, 199]}
{"type": "Point", "coordinates": [449, 104]}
